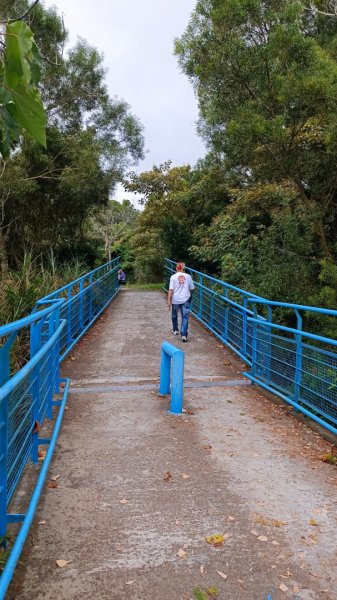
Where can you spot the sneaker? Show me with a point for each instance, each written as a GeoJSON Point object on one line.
{"type": "Point", "coordinates": [174, 332]}
{"type": "Point", "coordinates": [183, 338]}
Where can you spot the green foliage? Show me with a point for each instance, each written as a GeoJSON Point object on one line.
{"type": "Point", "coordinates": [267, 94]}
{"type": "Point", "coordinates": [91, 140]}
{"type": "Point", "coordinates": [176, 201]}
{"type": "Point", "coordinates": [5, 548]}
{"type": "Point", "coordinates": [30, 282]}
{"type": "Point", "coordinates": [20, 101]}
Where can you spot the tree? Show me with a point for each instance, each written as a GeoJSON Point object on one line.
{"type": "Point", "coordinates": [21, 106]}
{"type": "Point", "coordinates": [266, 80]}
{"type": "Point", "coordinates": [112, 222]}
{"type": "Point", "coordinates": [178, 201]}
{"type": "Point", "coordinates": [91, 140]}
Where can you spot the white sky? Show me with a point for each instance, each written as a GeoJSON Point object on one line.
{"type": "Point", "coordinates": [136, 38]}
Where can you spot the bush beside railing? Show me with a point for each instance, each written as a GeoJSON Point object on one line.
{"type": "Point", "coordinates": [297, 365]}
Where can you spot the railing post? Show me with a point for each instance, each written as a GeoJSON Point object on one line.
{"type": "Point", "coordinates": [254, 343]}
{"type": "Point", "coordinates": [200, 296]}
{"type": "Point", "coordinates": [211, 312]}
{"type": "Point", "coordinates": [69, 338]}
{"type": "Point", "coordinates": [225, 330]}
{"type": "Point", "coordinates": [3, 465]}
{"type": "Point", "coordinates": [298, 364]}
{"type": "Point", "coordinates": [244, 327]}
{"type": "Point", "coordinates": [81, 305]}
{"type": "Point", "coordinates": [35, 341]}
{"type": "Point", "coordinates": [90, 297]}
{"type": "Point", "coordinates": [269, 343]}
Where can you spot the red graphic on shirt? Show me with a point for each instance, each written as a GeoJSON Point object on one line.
{"type": "Point", "coordinates": [181, 279]}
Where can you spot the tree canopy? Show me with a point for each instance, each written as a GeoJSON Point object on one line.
{"type": "Point", "coordinates": [48, 191]}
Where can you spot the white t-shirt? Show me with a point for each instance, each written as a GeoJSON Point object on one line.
{"type": "Point", "coordinates": [181, 284]}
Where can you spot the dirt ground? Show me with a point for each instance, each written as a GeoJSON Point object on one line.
{"type": "Point", "coordinates": [139, 493]}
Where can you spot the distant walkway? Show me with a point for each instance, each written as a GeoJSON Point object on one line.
{"type": "Point", "coordinates": [137, 491]}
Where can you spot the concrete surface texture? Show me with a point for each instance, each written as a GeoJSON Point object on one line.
{"type": "Point", "coordinates": [137, 491]}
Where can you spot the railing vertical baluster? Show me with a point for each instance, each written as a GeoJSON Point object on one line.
{"type": "Point", "coordinates": [298, 363]}
{"type": "Point", "coordinates": [211, 315]}
{"type": "Point", "coordinates": [254, 344]}
{"type": "Point", "coordinates": [81, 305]}
{"type": "Point", "coordinates": [200, 295]}
{"type": "Point", "coordinates": [69, 339]}
{"type": "Point", "coordinates": [244, 326]}
{"type": "Point", "coordinates": [225, 330]}
{"type": "Point", "coordinates": [35, 342]}
{"type": "Point", "coordinates": [90, 296]}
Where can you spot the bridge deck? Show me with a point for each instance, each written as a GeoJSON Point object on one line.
{"type": "Point", "coordinates": [138, 488]}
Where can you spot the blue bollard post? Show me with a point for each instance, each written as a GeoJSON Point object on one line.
{"type": "Point", "coordinates": [165, 367]}
{"type": "Point", "coordinates": [171, 354]}
{"type": "Point", "coordinates": [176, 406]}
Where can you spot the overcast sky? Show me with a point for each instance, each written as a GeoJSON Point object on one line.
{"type": "Point", "coordinates": [136, 38]}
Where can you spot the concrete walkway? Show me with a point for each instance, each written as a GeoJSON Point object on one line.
{"type": "Point", "coordinates": [138, 491]}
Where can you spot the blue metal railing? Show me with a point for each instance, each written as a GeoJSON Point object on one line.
{"type": "Point", "coordinates": [85, 299]}
{"type": "Point", "coordinates": [298, 366]}
{"type": "Point", "coordinates": [32, 394]}
{"type": "Point", "coordinates": [222, 308]}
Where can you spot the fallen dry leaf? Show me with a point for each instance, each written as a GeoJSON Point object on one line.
{"type": "Point", "coordinates": [221, 574]}
{"type": "Point", "coordinates": [41, 454]}
{"type": "Point", "coordinates": [124, 501]}
{"type": "Point", "coordinates": [37, 427]}
{"type": "Point", "coordinates": [207, 447]}
{"type": "Point", "coordinates": [167, 476]}
{"type": "Point", "coordinates": [229, 518]}
{"type": "Point", "coordinates": [286, 575]}
{"type": "Point", "coordinates": [42, 522]}
{"type": "Point", "coordinates": [313, 522]}
{"type": "Point", "coordinates": [278, 523]}
{"type": "Point", "coordinates": [129, 582]}
{"type": "Point", "coordinates": [52, 485]}
{"type": "Point", "coordinates": [283, 587]}
{"type": "Point", "coordinates": [181, 553]}
{"type": "Point", "coordinates": [262, 538]}
{"type": "Point", "coordinates": [55, 477]}
{"type": "Point", "coordinates": [184, 476]}
{"type": "Point", "coordinates": [217, 539]}
{"type": "Point", "coordinates": [62, 563]}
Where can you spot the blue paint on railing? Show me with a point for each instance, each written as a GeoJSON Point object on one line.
{"type": "Point", "coordinates": [171, 354]}
{"type": "Point", "coordinates": [31, 395]}
{"type": "Point", "coordinates": [297, 365]}
{"type": "Point", "coordinates": [85, 299]}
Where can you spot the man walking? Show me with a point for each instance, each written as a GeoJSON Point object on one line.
{"type": "Point", "coordinates": [179, 297]}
